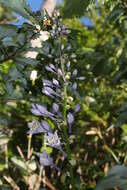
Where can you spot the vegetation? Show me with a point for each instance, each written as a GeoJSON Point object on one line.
{"type": "Point", "coordinates": [98, 139]}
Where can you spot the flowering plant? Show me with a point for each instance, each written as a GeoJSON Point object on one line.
{"type": "Point", "coordinates": [59, 86]}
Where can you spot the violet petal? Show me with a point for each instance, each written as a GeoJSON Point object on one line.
{"type": "Point", "coordinates": [46, 126]}
{"type": "Point", "coordinates": [77, 108]}
{"type": "Point", "coordinates": [55, 107]}
{"type": "Point", "coordinates": [35, 128]}
{"type": "Point", "coordinates": [46, 92]}
{"type": "Point", "coordinates": [70, 120]}
{"type": "Point", "coordinates": [47, 83]}
{"type": "Point", "coordinates": [59, 72]}
{"type": "Point", "coordinates": [35, 112]}
{"type": "Point", "coordinates": [53, 140]}
{"type": "Point", "coordinates": [68, 64]}
{"type": "Point", "coordinates": [45, 159]}
{"type": "Point", "coordinates": [44, 111]}
{"type": "Point", "coordinates": [80, 78]}
{"type": "Point", "coordinates": [74, 86]}
{"type": "Point", "coordinates": [55, 82]}
{"type": "Point", "coordinates": [50, 69]}
{"type": "Point", "coordinates": [52, 66]}
{"type": "Point", "coordinates": [49, 91]}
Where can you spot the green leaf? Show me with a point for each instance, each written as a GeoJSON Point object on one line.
{"type": "Point", "coordinates": [27, 61]}
{"type": "Point", "coordinates": [14, 74]}
{"type": "Point", "coordinates": [117, 177]}
{"type": "Point", "coordinates": [121, 119]}
{"type": "Point", "coordinates": [31, 165]}
{"type": "Point", "coordinates": [21, 164]}
{"type": "Point", "coordinates": [124, 128]}
{"type": "Point", "coordinates": [7, 30]}
{"type": "Point", "coordinates": [17, 6]}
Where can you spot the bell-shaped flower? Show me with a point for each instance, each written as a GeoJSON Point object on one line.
{"type": "Point", "coordinates": [55, 82]}
{"type": "Point", "coordinates": [68, 64]}
{"type": "Point", "coordinates": [46, 126]}
{"type": "Point", "coordinates": [47, 83]}
{"type": "Point", "coordinates": [70, 120]}
{"type": "Point", "coordinates": [51, 68]}
{"type": "Point", "coordinates": [59, 72]}
{"type": "Point", "coordinates": [74, 86]}
{"type": "Point", "coordinates": [55, 107]}
{"type": "Point", "coordinates": [40, 110]}
{"type": "Point", "coordinates": [50, 92]}
{"type": "Point", "coordinates": [81, 78]}
{"type": "Point", "coordinates": [77, 108]}
{"type": "Point", "coordinates": [35, 128]}
{"type": "Point", "coordinates": [45, 159]}
{"type": "Point", "coordinates": [53, 140]}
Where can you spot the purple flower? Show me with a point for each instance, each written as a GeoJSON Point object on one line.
{"type": "Point", "coordinates": [45, 126]}
{"type": "Point", "coordinates": [51, 68]}
{"type": "Point", "coordinates": [80, 78]}
{"type": "Point", "coordinates": [55, 107]}
{"type": "Point", "coordinates": [45, 159]}
{"type": "Point", "coordinates": [70, 120]}
{"type": "Point", "coordinates": [68, 64]}
{"type": "Point", "coordinates": [47, 83]}
{"type": "Point", "coordinates": [35, 128]}
{"type": "Point", "coordinates": [77, 108]}
{"type": "Point", "coordinates": [40, 110]}
{"type": "Point", "coordinates": [55, 82]}
{"type": "Point", "coordinates": [59, 72]}
{"type": "Point", "coordinates": [53, 140]}
{"type": "Point", "coordinates": [50, 92]}
{"type": "Point", "coordinates": [74, 86]}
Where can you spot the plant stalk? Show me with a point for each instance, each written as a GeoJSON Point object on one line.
{"type": "Point", "coordinates": [65, 133]}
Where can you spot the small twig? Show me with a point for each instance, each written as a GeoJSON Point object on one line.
{"type": "Point", "coordinates": [108, 149]}
{"type": "Point", "coordinates": [29, 146]}
{"type": "Point", "coordinates": [48, 183]}
{"type": "Point", "coordinates": [11, 182]}
{"type": "Point", "coordinates": [124, 4]}
{"type": "Point", "coordinates": [20, 153]}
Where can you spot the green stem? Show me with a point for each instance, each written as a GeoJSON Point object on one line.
{"type": "Point", "coordinates": [67, 138]}
{"type": "Point", "coordinates": [65, 132]}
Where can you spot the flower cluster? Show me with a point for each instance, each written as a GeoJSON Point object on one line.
{"type": "Point", "coordinates": [58, 87]}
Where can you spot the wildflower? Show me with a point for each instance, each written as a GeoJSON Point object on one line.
{"type": "Point", "coordinates": [55, 82]}
{"type": "Point", "coordinates": [70, 120]}
{"type": "Point", "coordinates": [53, 140]}
{"type": "Point", "coordinates": [50, 92]}
{"type": "Point", "coordinates": [45, 159]}
{"type": "Point", "coordinates": [33, 75]}
{"type": "Point", "coordinates": [45, 126]}
{"type": "Point", "coordinates": [31, 54]}
{"type": "Point", "coordinates": [35, 128]}
{"type": "Point", "coordinates": [47, 22]}
{"type": "Point", "coordinates": [74, 86]}
{"type": "Point", "coordinates": [77, 108]}
{"type": "Point", "coordinates": [40, 110]}
{"type": "Point", "coordinates": [47, 83]}
{"type": "Point", "coordinates": [55, 107]}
